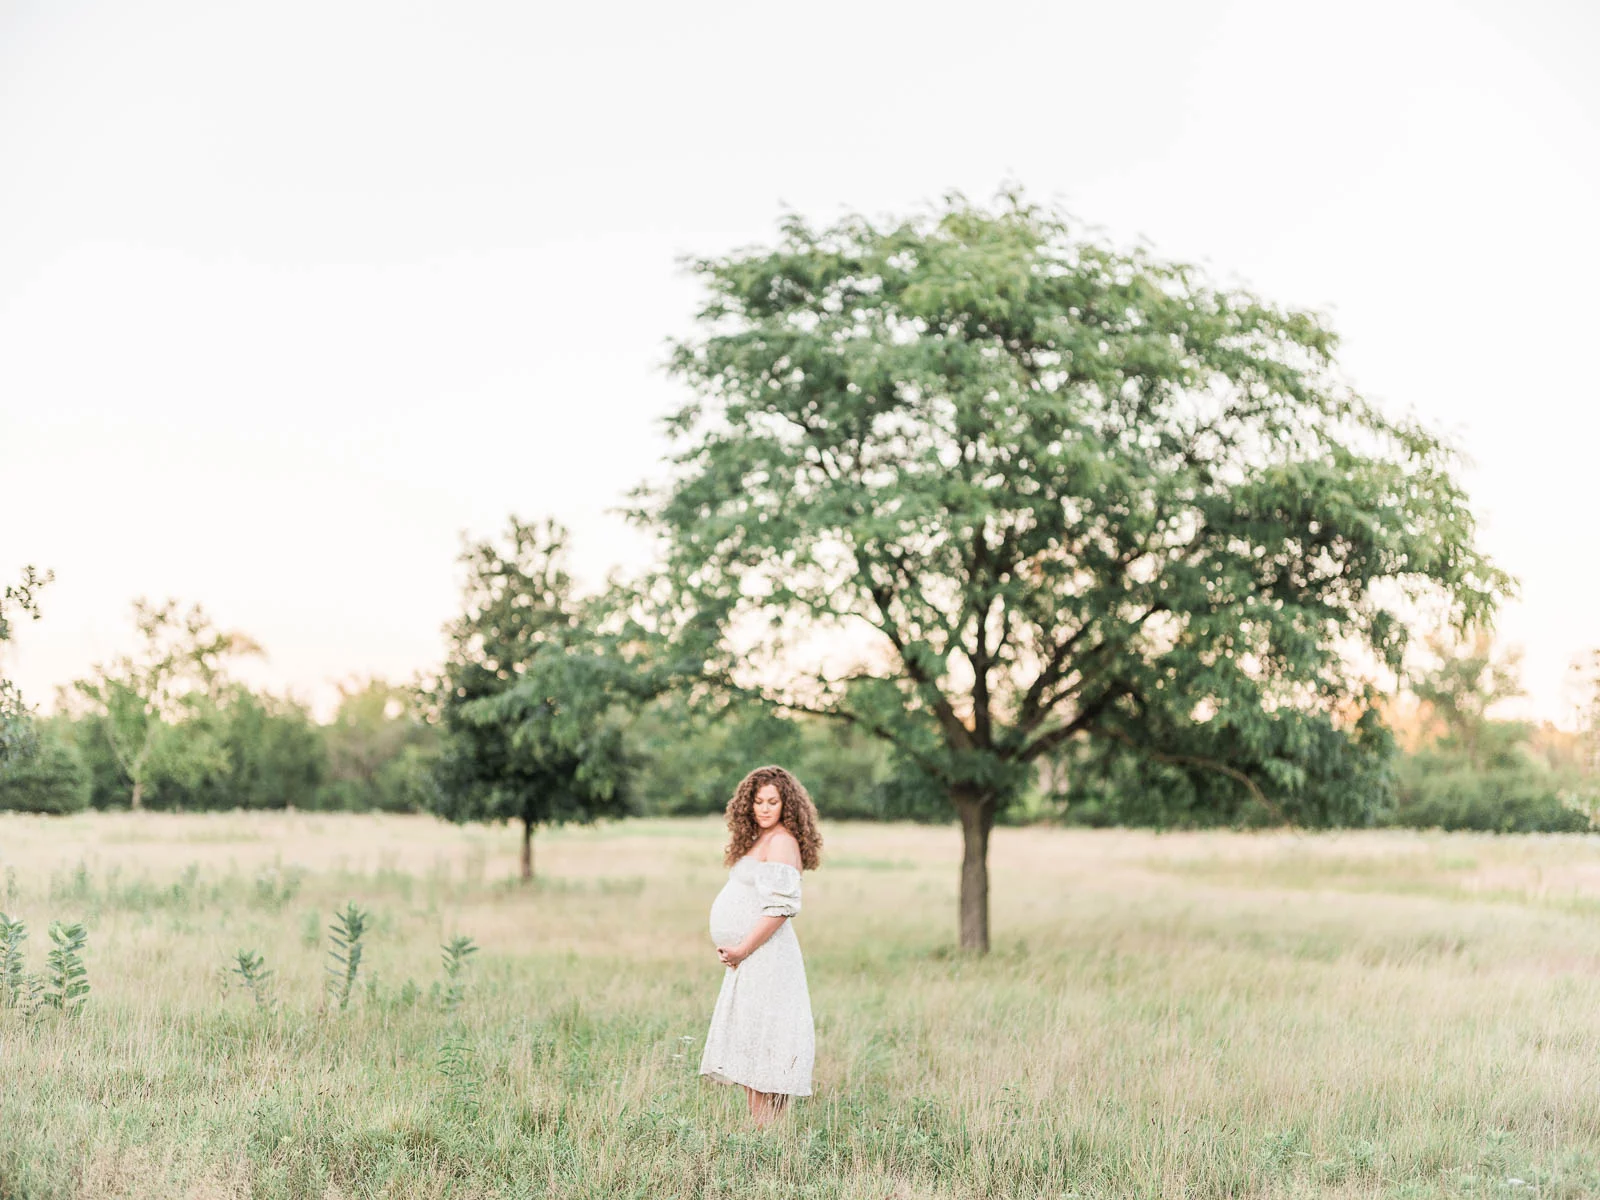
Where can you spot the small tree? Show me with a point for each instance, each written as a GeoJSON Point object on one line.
{"type": "Point", "coordinates": [136, 694]}
{"type": "Point", "coordinates": [526, 703]}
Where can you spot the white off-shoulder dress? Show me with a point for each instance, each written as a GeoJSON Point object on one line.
{"type": "Point", "coordinates": [761, 1030]}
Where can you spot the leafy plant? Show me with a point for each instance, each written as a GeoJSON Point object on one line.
{"type": "Point", "coordinates": [344, 955]}
{"type": "Point", "coordinates": [249, 966]}
{"type": "Point", "coordinates": [456, 952]}
{"type": "Point", "coordinates": [12, 934]}
{"type": "Point", "coordinates": [67, 985]}
{"type": "Point", "coordinates": [458, 1064]}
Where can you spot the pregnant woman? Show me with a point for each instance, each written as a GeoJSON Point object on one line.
{"type": "Point", "coordinates": [761, 1034]}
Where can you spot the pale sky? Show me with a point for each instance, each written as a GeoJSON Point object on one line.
{"type": "Point", "coordinates": [293, 294]}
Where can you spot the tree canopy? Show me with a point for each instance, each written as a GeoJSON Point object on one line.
{"type": "Point", "coordinates": [1069, 493]}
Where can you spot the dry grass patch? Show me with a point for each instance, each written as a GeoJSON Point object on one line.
{"type": "Point", "coordinates": [1210, 1015]}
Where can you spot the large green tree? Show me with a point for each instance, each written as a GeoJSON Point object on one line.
{"type": "Point", "coordinates": [527, 702]}
{"type": "Point", "coordinates": [1068, 492]}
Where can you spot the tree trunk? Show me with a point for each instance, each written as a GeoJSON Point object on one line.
{"type": "Point", "coordinates": [527, 850]}
{"type": "Point", "coordinates": [138, 794]}
{"type": "Point", "coordinates": [977, 818]}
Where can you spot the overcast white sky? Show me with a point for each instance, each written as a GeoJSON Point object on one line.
{"type": "Point", "coordinates": [293, 294]}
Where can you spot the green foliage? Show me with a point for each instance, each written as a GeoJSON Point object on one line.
{"type": "Point", "coordinates": [455, 953]}
{"type": "Point", "coordinates": [1464, 680]}
{"type": "Point", "coordinates": [52, 779]}
{"type": "Point", "coordinates": [274, 751]}
{"type": "Point", "coordinates": [17, 737]}
{"type": "Point", "coordinates": [458, 1063]}
{"type": "Point", "coordinates": [12, 934]}
{"type": "Point", "coordinates": [22, 597]}
{"type": "Point", "coordinates": [1437, 792]}
{"type": "Point", "coordinates": [109, 785]}
{"type": "Point", "coordinates": [177, 674]}
{"type": "Point", "coordinates": [230, 749]}
{"type": "Point", "coordinates": [344, 952]}
{"type": "Point", "coordinates": [67, 979]}
{"type": "Point", "coordinates": [380, 751]}
{"type": "Point", "coordinates": [251, 968]}
{"type": "Point", "coordinates": [275, 888]}
{"type": "Point", "coordinates": [1313, 773]}
{"type": "Point", "coordinates": [531, 699]}
{"type": "Point", "coordinates": [690, 760]}
{"type": "Point", "coordinates": [234, 748]}
{"type": "Point", "coordinates": [66, 983]}
{"type": "Point", "coordinates": [1074, 492]}
{"type": "Point", "coordinates": [1471, 771]}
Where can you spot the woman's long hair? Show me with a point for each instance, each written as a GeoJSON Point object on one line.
{"type": "Point", "coordinates": [799, 816]}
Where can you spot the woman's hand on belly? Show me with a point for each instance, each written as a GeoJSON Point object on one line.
{"type": "Point", "coordinates": [763, 929]}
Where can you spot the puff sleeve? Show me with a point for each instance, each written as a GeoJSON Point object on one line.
{"type": "Point", "coordinates": [777, 889]}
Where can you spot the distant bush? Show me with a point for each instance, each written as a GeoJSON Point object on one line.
{"type": "Point", "coordinates": [380, 752]}
{"type": "Point", "coordinates": [53, 779]}
{"type": "Point", "coordinates": [1505, 799]}
{"type": "Point", "coordinates": [249, 750]}
{"type": "Point", "coordinates": [1305, 769]}
{"type": "Point", "coordinates": [403, 784]}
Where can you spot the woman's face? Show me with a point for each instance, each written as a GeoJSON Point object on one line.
{"type": "Point", "coordinates": [768, 806]}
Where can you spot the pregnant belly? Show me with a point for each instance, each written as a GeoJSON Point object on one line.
{"type": "Point", "coordinates": [732, 914]}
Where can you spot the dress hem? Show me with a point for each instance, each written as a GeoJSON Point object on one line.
{"type": "Point", "coordinates": [719, 1077]}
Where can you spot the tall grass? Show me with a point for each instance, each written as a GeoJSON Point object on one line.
{"type": "Point", "coordinates": [1208, 1015]}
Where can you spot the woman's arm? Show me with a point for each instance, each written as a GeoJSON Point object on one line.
{"type": "Point", "coordinates": [764, 928]}
{"type": "Point", "coordinates": [784, 850]}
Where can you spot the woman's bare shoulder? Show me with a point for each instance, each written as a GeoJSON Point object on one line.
{"type": "Point", "coordinates": [781, 847]}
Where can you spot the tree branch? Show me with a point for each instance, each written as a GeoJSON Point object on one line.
{"type": "Point", "coordinates": [1046, 742]}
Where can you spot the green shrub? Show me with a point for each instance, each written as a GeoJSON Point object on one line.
{"type": "Point", "coordinates": [51, 780]}
{"type": "Point", "coordinates": [1504, 799]}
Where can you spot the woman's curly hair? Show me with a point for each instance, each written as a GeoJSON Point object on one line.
{"type": "Point", "coordinates": [799, 816]}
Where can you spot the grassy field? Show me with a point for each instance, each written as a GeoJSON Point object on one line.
{"type": "Point", "coordinates": [1372, 1014]}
